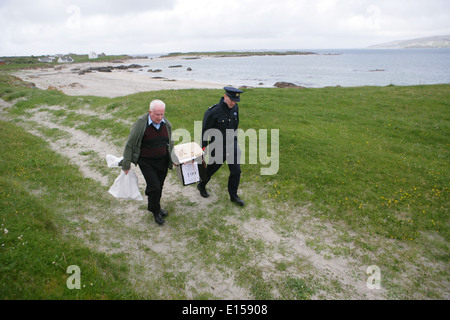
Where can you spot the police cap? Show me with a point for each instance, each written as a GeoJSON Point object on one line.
{"type": "Point", "coordinates": [233, 93]}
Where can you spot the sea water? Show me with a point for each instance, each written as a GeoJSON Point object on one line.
{"type": "Point", "coordinates": [346, 68]}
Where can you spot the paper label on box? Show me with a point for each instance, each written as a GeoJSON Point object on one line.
{"type": "Point", "coordinates": [190, 172]}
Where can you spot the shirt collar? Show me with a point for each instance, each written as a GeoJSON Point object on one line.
{"type": "Point", "coordinates": [150, 121]}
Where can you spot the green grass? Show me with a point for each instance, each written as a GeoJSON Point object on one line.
{"type": "Point", "coordinates": [37, 190]}
{"type": "Point", "coordinates": [371, 161]}
{"type": "Point", "coordinates": [376, 158]}
{"type": "Point", "coordinates": [15, 63]}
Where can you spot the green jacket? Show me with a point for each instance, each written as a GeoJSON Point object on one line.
{"type": "Point", "coordinates": [133, 145]}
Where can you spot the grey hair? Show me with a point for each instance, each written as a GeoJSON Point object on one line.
{"type": "Point", "coordinates": [155, 103]}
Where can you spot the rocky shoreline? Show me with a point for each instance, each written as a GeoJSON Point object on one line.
{"type": "Point", "coordinates": [106, 68]}
{"type": "Point", "coordinates": [104, 79]}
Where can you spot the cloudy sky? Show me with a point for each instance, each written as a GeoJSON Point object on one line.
{"type": "Point", "coordinates": [37, 27]}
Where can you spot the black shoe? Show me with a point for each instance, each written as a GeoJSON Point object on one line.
{"type": "Point", "coordinates": [238, 200]}
{"type": "Point", "coordinates": [202, 190]}
{"type": "Point", "coordinates": [158, 219]}
{"type": "Point", "coordinates": [163, 213]}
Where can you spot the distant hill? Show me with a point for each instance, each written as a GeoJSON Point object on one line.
{"type": "Point", "coordinates": [428, 42]}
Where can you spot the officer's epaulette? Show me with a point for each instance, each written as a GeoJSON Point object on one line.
{"type": "Point", "coordinates": [210, 108]}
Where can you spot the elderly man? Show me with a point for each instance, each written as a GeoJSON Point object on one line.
{"type": "Point", "coordinates": [150, 145]}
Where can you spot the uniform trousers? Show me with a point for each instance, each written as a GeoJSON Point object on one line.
{"type": "Point", "coordinates": [155, 172]}
{"type": "Point", "coordinates": [233, 165]}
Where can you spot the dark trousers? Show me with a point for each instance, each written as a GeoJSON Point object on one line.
{"type": "Point", "coordinates": [155, 172]}
{"type": "Point", "coordinates": [234, 167]}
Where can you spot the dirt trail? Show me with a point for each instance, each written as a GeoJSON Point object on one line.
{"type": "Point", "coordinates": [130, 229]}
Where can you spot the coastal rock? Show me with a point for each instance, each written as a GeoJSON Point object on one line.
{"type": "Point", "coordinates": [131, 66]}
{"type": "Point", "coordinates": [104, 69]}
{"type": "Point", "coordinates": [134, 66]}
{"type": "Point", "coordinates": [81, 72]}
{"type": "Point", "coordinates": [111, 68]}
{"type": "Point", "coordinates": [287, 85]}
{"type": "Point", "coordinates": [176, 66]}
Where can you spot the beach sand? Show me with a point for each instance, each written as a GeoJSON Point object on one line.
{"type": "Point", "coordinates": [65, 77]}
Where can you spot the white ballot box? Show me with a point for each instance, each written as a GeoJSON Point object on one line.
{"type": "Point", "coordinates": [188, 155]}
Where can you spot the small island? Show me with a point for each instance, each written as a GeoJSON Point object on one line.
{"type": "Point", "coordinates": [229, 54]}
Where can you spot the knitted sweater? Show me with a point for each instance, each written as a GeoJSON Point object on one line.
{"type": "Point", "coordinates": [132, 148]}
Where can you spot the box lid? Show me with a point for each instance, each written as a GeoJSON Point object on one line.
{"type": "Point", "coordinates": [187, 151]}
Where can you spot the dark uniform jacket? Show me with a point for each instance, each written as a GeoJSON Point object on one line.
{"type": "Point", "coordinates": [220, 117]}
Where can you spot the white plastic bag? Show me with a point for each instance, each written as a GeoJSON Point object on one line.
{"type": "Point", "coordinates": [113, 161]}
{"type": "Point", "coordinates": [126, 187]}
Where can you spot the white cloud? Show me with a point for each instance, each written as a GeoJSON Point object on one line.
{"type": "Point", "coordinates": [142, 26]}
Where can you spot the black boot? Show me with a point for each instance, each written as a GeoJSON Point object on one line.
{"type": "Point", "coordinates": [158, 218]}
{"type": "Point", "coordinates": [202, 190]}
{"type": "Point", "coordinates": [238, 200]}
{"type": "Point", "coordinates": [163, 213]}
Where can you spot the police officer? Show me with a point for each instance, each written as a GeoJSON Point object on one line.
{"type": "Point", "coordinates": [224, 118]}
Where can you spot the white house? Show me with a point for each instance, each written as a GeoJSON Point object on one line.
{"type": "Point", "coordinates": [93, 55]}
{"type": "Point", "coordinates": [47, 59]}
{"type": "Point", "coordinates": [65, 60]}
